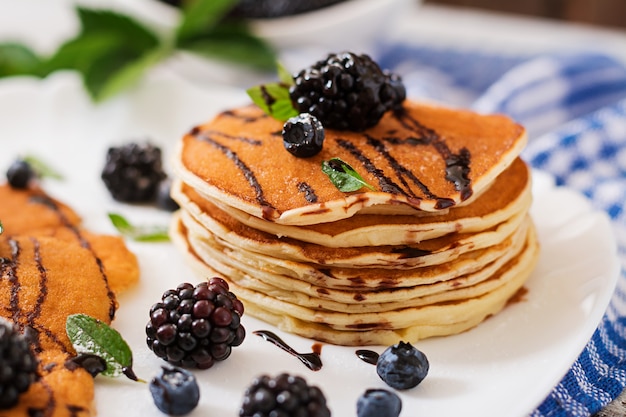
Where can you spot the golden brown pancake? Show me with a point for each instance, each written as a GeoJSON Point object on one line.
{"type": "Point", "coordinates": [510, 193]}
{"type": "Point", "coordinates": [425, 158]}
{"type": "Point", "coordinates": [50, 268]}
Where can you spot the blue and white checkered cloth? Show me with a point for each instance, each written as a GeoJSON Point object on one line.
{"type": "Point", "coordinates": [574, 108]}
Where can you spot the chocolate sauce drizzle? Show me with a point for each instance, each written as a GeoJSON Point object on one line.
{"type": "Point", "coordinates": [367, 356]}
{"type": "Point", "coordinates": [308, 191]}
{"type": "Point", "coordinates": [457, 165]}
{"type": "Point", "coordinates": [248, 174]}
{"type": "Point", "coordinates": [310, 360]}
{"type": "Point", "coordinates": [51, 204]}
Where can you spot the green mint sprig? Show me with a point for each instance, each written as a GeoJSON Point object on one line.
{"type": "Point", "coordinates": [343, 176]}
{"type": "Point", "coordinates": [113, 51]}
{"type": "Point", "coordinates": [139, 233]}
{"type": "Point", "coordinates": [273, 98]}
{"type": "Point", "coordinates": [41, 168]}
{"type": "Point", "coordinates": [92, 336]}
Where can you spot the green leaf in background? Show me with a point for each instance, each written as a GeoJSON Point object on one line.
{"type": "Point", "coordinates": [139, 233]}
{"type": "Point", "coordinates": [42, 169]}
{"type": "Point", "coordinates": [343, 176]}
{"type": "Point", "coordinates": [89, 335]}
{"type": "Point", "coordinates": [200, 16]}
{"type": "Point", "coordinates": [1, 228]}
{"type": "Point", "coordinates": [273, 99]}
{"type": "Point", "coordinates": [112, 52]}
{"type": "Point", "coordinates": [17, 59]}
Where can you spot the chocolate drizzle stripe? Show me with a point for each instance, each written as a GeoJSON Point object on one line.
{"type": "Point", "coordinates": [385, 183]}
{"type": "Point", "coordinates": [457, 165]}
{"type": "Point", "coordinates": [48, 202]}
{"type": "Point", "coordinates": [43, 282]}
{"type": "Point", "coordinates": [245, 170]}
{"type": "Point", "coordinates": [400, 170]}
{"type": "Point", "coordinates": [251, 141]}
{"type": "Point", "coordinates": [308, 191]}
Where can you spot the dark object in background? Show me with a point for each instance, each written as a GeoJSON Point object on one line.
{"type": "Point", "coordinates": [267, 9]}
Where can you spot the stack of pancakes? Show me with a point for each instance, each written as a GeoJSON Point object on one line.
{"type": "Point", "coordinates": [442, 242]}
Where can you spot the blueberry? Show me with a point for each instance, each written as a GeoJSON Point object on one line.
{"type": "Point", "coordinates": [175, 391]}
{"type": "Point", "coordinates": [303, 135]}
{"type": "Point", "coordinates": [402, 366]}
{"type": "Point", "coordinates": [20, 173]}
{"type": "Point", "coordinates": [378, 403]}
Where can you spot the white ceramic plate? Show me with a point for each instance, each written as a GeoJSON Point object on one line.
{"type": "Point", "coordinates": [504, 367]}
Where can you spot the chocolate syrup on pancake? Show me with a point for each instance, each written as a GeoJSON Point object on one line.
{"type": "Point", "coordinates": [49, 203]}
{"type": "Point", "coordinates": [248, 174]}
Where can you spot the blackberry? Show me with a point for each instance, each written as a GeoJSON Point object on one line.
{"type": "Point", "coordinates": [285, 395]}
{"type": "Point", "coordinates": [346, 91]}
{"type": "Point", "coordinates": [402, 366]}
{"type": "Point", "coordinates": [194, 326]}
{"type": "Point", "coordinates": [20, 174]}
{"type": "Point", "coordinates": [18, 365]}
{"type": "Point", "coordinates": [303, 135]}
{"type": "Point", "coordinates": [132, 172]}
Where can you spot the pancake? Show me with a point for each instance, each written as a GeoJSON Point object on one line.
{"type": "Point", "coordinates": [63, 390]}
{"type": "Point", "coordinates": [382, 328]}
{"type": "Point", "coordinates": [409, 284]}
{"type": "Point", "coordinates": [424, 158]}
{"type": "Point", "coordinates": [352, 300]}
{"type": "Point", "coordinates": [50, 268]}
{"type": "Point", "coordinates": [237, 236]}
{"type": "Point", "coordinates": [509, 194]}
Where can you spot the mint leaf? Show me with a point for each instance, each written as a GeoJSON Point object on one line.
{"type": "Point", "coordinates": [18, 59]}
{"type": "Point", "coordinates": [112, 52]}
{"type": "Point", "coordinates": [284, 75]}
{"type": "Point", "coordinates": [343, 176]}
{"type": "Point", "coordinates": [134, 35]}
{"type": "Point", "coordinates": [42, 169]}
{"type": "Point", "coordinates": [138, 233]}
{"type": "Point", "coordinates": [200, 16]}
{"type": "Point", "coordinates": [1, 228]}
{"type": "Point", "coordinates": [273, 99]}
{"type": "Point", "coordinates": [92, 336]}
{"type": "Point", "coordinates": [113, 73]}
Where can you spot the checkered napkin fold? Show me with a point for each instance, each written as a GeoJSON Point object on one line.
{"type": "Point", "coordinates": [574, 108]}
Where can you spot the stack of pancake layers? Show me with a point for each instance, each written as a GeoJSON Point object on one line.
{"type": "Point", "coordinates": [443, 240]}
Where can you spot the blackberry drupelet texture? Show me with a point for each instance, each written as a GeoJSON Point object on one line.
{"type": "Point", "coordinates": [133, 172]}
{"type": "Point", "coordinates": [194, 326]}
{"type": "Point", "coordinates": [18, 365]}
{"type": "Point", "coordinates": [346, 91]}
{"type": "Point", "coordinates": [283, 395]}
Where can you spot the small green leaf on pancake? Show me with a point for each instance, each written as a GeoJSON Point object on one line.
{"type": "Point", "coordinates": [343, 176]}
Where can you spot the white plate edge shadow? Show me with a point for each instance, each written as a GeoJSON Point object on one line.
{"type": "Point", "coordinates": [454, 370]}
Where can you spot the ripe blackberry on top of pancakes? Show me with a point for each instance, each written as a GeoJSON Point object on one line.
{"type": "Point", "coordinates": [438, 240]}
